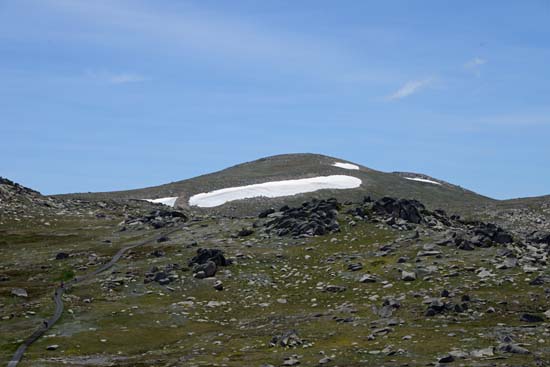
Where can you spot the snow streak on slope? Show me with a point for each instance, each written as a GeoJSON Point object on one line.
{"type": "Point", "coordinates": [346, 165]}
{"type": "Point", "coordinates": [274, 189]}
{"type": "Point", "coordinates": [166, 201]}
{"type": "Point", "coordinates": [422, 180]}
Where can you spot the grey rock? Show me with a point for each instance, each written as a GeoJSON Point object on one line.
{"type": "Point", "coordinates": [61, 256]}
{"type": "Point", "coordinates": [367, 278]}
{"type": "Point", "coordinates": [218, 285]}
{"type": "Point", "coordinates": [485, 352]}
{"type": "Point", "coordinates": [512, 348]}
{"type": "Point", "coordinates": [287, 339]}
{"type": "Point", "coordinates": [446, 359]}
{"type": "Point", "coordinates": [291, 361]}
{"type": "Point", "coordinates": [355, 267]}
{"type": "Point", "coordinates": [527, 317]}
{"type": "Point", "coordinates": [335, 288]}
{"type": "Point", "coordinates": [209, 269]}
{"type": "Point", "coordinates": [408, 276]}
{"type": "Point", "coordinates": [19, 292]}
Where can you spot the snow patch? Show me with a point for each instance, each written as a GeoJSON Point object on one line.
{"type": "Point", "coordinates": [345, 165]}
{"type": "Point", "coordinates": [273, 189]}
{"type": "Point", "coordinates": [422, 180]}
{"type": "Point", "coordinates": [171, 201]}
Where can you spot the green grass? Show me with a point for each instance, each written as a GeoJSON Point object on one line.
{"type": "Point", "coordinates": [146, 324]}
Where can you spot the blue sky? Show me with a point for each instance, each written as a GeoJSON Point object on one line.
{"type": "Point", "coordinates": [104, 95]}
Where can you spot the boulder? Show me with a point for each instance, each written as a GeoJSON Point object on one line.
{"type": "Point", "coordinates": [208, 269]}
{"type": "Point", "coordinates": [245, 232]}
{"type": "Point", "coordinates": [266, 212]}
{"type": "Point", "coordinates": [335, 288]}
{"type": "Point", "coordinates": [512, 348]}
{"type": "Point", "coordinates": [19, 292]}
{"type": "Point", "coordinates": [408, 276]}
{"type": "Point", "coordinates": [446, 359]}
{"type": "Point", "coordinates": [527, 317]}
{"type": "Point", "coordinates": [61, 256]}
{"type": "Point", "coordinates": [367, 278]}
{"type": "Point", "coordinates": [204, 255]}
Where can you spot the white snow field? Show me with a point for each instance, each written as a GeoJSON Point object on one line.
{"type": "Point", "coordinates": [345, 165]}
{"type": "Point", "coordinates": [273, 189]}
{"type": "Point", "coordinates": [422, 180]}
{"type": "Point", "coordinates": [166, 201]}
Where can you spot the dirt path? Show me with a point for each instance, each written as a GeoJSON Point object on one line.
{"type": "Point", "coordinates": [58, 294]}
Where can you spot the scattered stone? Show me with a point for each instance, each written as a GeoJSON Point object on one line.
{"type": "Point", "coordinates": [288, 339]}
{"type": "Point", "coordinates": [355, 267]}
{"type": "Point", "coordinates": [291, 361]}
{"type": "Point", "coordinates": [485, 352]}
{"type": "Point", "coordinates": [158, 253]}
{"type": "Point", "coordinates": [408, 276]}
{"type": "Point", "coordinates": [335, 288]}
{"type": "Point", "coordinates": [19, 292]}
{"type": "Point", "coordinates": [367, 278]}
{"type": "Point", "coordinates": [218, 285]}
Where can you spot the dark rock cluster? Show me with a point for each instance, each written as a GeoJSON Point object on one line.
{"type": "Point", "coordinates": [61, 256]}
{"type": "Point", "coordinates": [477, 234]}
{"type": "Point", "coordinates": [158, 219]}
{"type": "Point", "coordinates": [162, 276]}
{"type": "Point", "coordinates": [491, 232]}
{"type": "Point", "coordinates": [287, 339]}
{"type": "Point", "coordinates": [539, 237]}
{"type": "Point", "coordinates": [408, 210]}
{"type": "Point", "coordinates": [205, 264]}
{"type": "Point", "coordinates": [15, 188]}
{"type": "Point", "coordinates": [313, 218]}
{"type": "Point", "coordinates": [438, 306]}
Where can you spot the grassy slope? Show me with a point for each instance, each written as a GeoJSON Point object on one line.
{"type": "Point", "coordinates": [147, 324]}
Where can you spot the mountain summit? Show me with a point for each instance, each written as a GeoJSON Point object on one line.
{"type": "Point", "coordinates": [296, 177]}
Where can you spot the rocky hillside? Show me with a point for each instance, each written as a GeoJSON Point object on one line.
{"type": "Point", "coordinates": [11, 192]}
{"type": "Point", "coordinates": [370, 272]}
{"type": "Point", "coordinates": [17, 200]}
{"type": "Point", "coordinates": [26, 206]}
{"type": "Point", "coordinates": [375, 282]}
